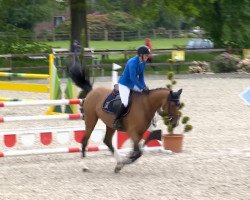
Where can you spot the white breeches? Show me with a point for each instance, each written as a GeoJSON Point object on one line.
{"type": "Point", "coordinates": [124, 93]}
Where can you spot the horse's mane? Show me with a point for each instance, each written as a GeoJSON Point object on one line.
{"type": "Point", "coordinates": [152, 90]}
{"type": "Point", "coordinates": [159, 89]}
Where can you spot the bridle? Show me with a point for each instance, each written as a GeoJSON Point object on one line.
{"type": "Point", "coordinates": [177, 103]}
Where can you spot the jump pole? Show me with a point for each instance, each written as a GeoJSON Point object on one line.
{"type": "Point", "coordinates": [51, 151]}
{"type": "Point", "coordinates": [62, 135]}
{"type": "Point", "coordinates": [41, 117]}
{"type": "Point", "coordinates": [72, 150]}
{"type": "Point", "coordinates": [14, 99]}
{"type": "Point", "coordinates": [26, 87]}
{"type": "Point", "coordinates": [41, 102]}
{"type": "Point", "coordinates": [51, 87]}
{"type": "Point", "coordinates": [24, 75]}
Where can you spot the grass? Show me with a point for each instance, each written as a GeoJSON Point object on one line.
{"type": "Point", "coordinates": [159, 43]}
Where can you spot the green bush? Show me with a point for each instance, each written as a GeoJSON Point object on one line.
{"type": "Point", "coordinates": [18, 46]}
{"type": "Point", "coordinates": [210, 56]}
{"type": "Point", "coordinates": [225, 62]}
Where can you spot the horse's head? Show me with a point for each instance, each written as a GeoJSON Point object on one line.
{"type": "Point", "coordinates": [171, 107]}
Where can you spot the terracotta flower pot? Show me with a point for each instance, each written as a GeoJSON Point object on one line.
{"type": "Point", "coordinates": [173, 142]}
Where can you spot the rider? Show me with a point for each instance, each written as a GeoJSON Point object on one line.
{"type": "Point", "coordinates": [132, 78]}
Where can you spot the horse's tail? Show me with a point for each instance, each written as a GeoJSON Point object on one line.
{"type": "Point", "coordinates": [79, 77]}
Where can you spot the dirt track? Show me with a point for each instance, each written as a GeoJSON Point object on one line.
{"type": "Point", "coordinates": [215, 163]}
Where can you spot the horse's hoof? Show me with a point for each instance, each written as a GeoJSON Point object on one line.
{"type": "Point", "coordinates": [118, 167]}
{"type": "Point", "coordinates": [85, 169]}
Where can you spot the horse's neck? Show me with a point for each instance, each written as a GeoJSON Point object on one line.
{"type": "Point", "coordinates": [157, 97]}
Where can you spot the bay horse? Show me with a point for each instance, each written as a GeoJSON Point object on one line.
{"type": "Point", "coordinates": [135, 123]}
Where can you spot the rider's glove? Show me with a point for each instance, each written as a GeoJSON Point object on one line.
{"type": "Point", "coordinates": [145, 90]}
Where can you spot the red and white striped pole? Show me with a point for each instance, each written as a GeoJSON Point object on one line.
{"type": "Point", "coordinates": [74, 150]}
{"type": "Point", "coordinates": [51, 151]}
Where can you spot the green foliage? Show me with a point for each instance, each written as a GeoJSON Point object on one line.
{"type": "Point", "coordinates": [24, 14]}
{"type": "Point", "coordinates": [200, 56]}
{"type": "Point", "coordinates": [15, 46]}
{"type": "Point", "coordinates": [17, 18]}
{"type": "Point", "coordinates": [114, 21]}
{"type": "Point", "coordinates": [170, 76]}
{"type": "Point", "coordinates": [188, 127]}
{"type": "Point", "coordinates": [170, 128]}
{"type": "Point", "coordinates": [99, 22]}
{"type": "Point", "coordinates": [184, 119]}
{"type": "Point", "coordinates": [182, 105]}
{"type": "Point", "coordinates": [170, 14]}
{"type": "Point", "coordinates": [226, 22]}
{"type": "Point", "coordinates": [169, 86]}
{"type": "Point", "coordinates": [225, 63]}
{"type": "Point", "coordinates": [120, 21]}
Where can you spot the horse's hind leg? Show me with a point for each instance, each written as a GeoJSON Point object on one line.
{"type": "Point", "coordinates": [108, 138]}
{"type": "Point", "coordinates": [90, 123]}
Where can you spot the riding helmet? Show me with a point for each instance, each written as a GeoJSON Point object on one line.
{"type": "Point", "coordinates": [143, 50]}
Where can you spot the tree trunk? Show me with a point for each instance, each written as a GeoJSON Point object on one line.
{"type": "Point", "coordinates": [78, 23]}
{"type": "Point", "coordinates": [216, 31]}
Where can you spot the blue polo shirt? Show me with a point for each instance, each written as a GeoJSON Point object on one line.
{"type": "Point", "coordinates": [133, 74]}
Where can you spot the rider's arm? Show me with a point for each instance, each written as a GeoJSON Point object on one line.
{"type": "Point", "coordinates": [133, 76]}
{"type": "Point", "coordinates": [141, 77]}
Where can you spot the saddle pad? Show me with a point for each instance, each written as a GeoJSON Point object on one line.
{"type": "Point", "coordinates": [108, 103]}
{"type": "Point", "coordinates": [111, 99]}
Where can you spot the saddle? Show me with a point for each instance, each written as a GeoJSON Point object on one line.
{"type": "Point", "coordinates": [113, 102]}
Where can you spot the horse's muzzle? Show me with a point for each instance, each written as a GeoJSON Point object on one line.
{"type": "Point", "coordinates": [175, 124]}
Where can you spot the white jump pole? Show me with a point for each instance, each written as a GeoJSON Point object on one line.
{"type": "Point", "coordinates": [41, 102]}
{"type": "Point", "coordinates": [41, 117]}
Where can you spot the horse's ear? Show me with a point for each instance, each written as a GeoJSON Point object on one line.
{"type": "Point", "coordinates": [179, 92]}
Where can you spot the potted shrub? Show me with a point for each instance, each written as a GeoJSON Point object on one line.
{"type": "Point", "coordinates": [171, 140]}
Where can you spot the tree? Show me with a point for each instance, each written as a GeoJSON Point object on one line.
{"type": "Point", "coordinates": [226, 22]}
{"type": "Point", "coordinates": [24, 14]}
{"type": "Point", "coordinates": [79, 28]}
{"type": "Point", "coordinates": [17, 18]}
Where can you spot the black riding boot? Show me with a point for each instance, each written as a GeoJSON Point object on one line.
{"type": "Point", "coordinates": [118, 118]}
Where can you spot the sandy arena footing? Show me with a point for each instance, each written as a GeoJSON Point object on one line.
{"type": "Point", "coordinates": [215, 163]}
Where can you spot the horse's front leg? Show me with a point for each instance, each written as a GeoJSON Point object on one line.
{"type": "Point", "coordinates": [134, 155]}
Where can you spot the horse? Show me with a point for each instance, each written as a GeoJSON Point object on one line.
{"type": "Point", "coordinates": [135, 122]}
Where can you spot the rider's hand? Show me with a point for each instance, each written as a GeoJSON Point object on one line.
{"type": "Point", "coordinates": [146, 90]}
